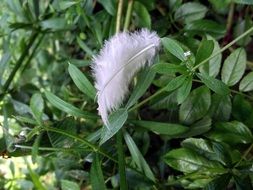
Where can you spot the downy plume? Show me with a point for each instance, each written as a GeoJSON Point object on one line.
{"type": "Point", "coordinates": [121, 57]}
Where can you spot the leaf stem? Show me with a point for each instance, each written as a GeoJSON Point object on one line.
{"type": "Point", "coordinates": [224, 48]}
{"type": "Point", "coordinates": [119, 14]}
{"type": "Point", "coordinates": [121, 160]}
{"type": "Point", "coordinates": [128, 14]}
{"type": "Point", "coordinates": [87, 143]}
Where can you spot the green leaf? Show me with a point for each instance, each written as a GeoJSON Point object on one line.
{"type": "Point", "coordinates": [206, 27]}
{"type": "Point", "coordinates": [242, 110]}
{"type": "Point", "coordinates": [64, 4]}
{"type": "Point", "coordinates": [138, 158]}
{"type": "Point", "coordinates": [204, 51]}
{"type": "Point", "coordinates": [66, 107]}
{"type": "Point", "coordinates": [174, 48]}
{"type": "Point", "coordinates": [96, 174]}
{"type": "Point", "coordinates": [184, 90]}
{"type": "Point", "coordinates": [175, 83]}
{"type": "Point", "coordinates": [191, 11]}
{"type": "Point", "coordinates": [69, 185]}
{"type": "Point", "coordinates": [188, 161]}
{"type": "Point", "coordinates": [221, 182]}
{"type": "Point", "coordinates": [144, 80]}
{"type": "Point", "coordinates": [84, 47]}
{"type": "Point", "coordinates": [58, 140]}
{"type": "Point", "coordinates": [198, 128]}
{"type": "Point", "coordinates": [54, 24]}
{"type": "Point", "coordinates": [35, 148]}
{"type": "Point", "coordinates": [212, 68]}
{"type": "Point", "coordinates": [116, 121]}
{"type": "Point", "coordinates": [214, 84]}
{"type": "Point", "coordinates": [234, 67]}
{"type": "Point", "coordinates": [195, 106]}
{"type": "Point", "coordinates": [162, 128]}
{"type": "Point", "coordinates": [26, 120]}
{"type": "Point", "coordinates": [109, 6]}
{"type": "Point", "coordinates": [168, 68]}
{"type": "Point", "coordinates": [164, 101]}
{"type": "Point", "coordinates": [245, 2]}
{"type": "Point", "coordinates": [37, 106]}
{"type": "Point", "coordinates": [210, 150]}
{"type": "Point", "coordinates": [243, 182]}
{"type": "Point", "coordinates": [143, 16]}
{"type": "Point", "coordinates": [235, 133]}
{"type": "Point", "coordinates": [81, 81]}
{"type": "Point", "coordinates": [35, 177]}
{"type": "Point", "coordinates": [221, 107]}
{"type": "Point", "coordinates": [246, 84]}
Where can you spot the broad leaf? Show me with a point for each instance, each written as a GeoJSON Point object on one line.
{"type": "Point", "coordinates": [175, 83]}
{"type": "Point", "coordinates": [188, 161]}
{"type": "Point", "coordinates": [210, 150]}
{"type": "Point", "coordinates": [212, 68]}
{"type": "Point", "coordinates": [144, 19]}
{"type": "Point", "coordinates": [214, 84]}
{"type": "Point", "coordinates": [66, 107]}
{"type": "Point", "coordinates": [204, 51]}
{"type": "Point", "coordinates": [198, 128]}
{"type": "Point", "coordinates": [206, 27]}
{"type": "Point", "coordinates": [221, 107]}
{"type": "Point", "coordinates": [195, 106]}
{"type": "Point", "coordinates": [137, 157]}
{"type": "Point", "coordinates": [116, 122]}
{"type": "Point", "coordinates": [219, 182]}
{"type": "Point", "coordinates": [174, 48]}
{"type": "Point", "coordinates": [69, 185]}
{"type": "Point", "coordinates": [184, 90]}
{"type": "Point", "coordinates": [242, 110]}
{"type": "Point", "coordinates": [109, 6]}
{"type": "Point", "coordinates": [234, 67]}
{"type": "Point", "coordinates": [235, 133]}
{"type": "Point", "coordinates": [247, 83]}
{"type": "Point", "coordinates": [81, 81]}
{"type": "Point", "coordinates": [168, 68]}
{"type": "Point", "coordinates": [37, 106]}
{"type": "Point", "coordinates": [191, 11]}
{"type": "Point", "coordinates": [162, 128]}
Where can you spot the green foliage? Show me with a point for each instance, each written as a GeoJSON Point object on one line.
{"type": "Point", "coordinates": [186, 124]}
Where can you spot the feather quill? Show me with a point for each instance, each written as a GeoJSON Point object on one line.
{"type": "Point", "coordinates": [117, 62]}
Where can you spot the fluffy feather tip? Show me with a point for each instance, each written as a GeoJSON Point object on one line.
{"type": "Point", "coordinates": [122, 56]}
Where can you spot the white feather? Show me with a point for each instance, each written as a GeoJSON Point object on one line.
{"type": "Point", "coordinates": [114, 67]}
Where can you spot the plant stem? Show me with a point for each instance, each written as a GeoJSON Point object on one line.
{"type": "Point", "coordinates": [119, 138]}
{"type": "Point", "coordinates": [33, 52]}
{"type": "Point", "coordinates": [19, 62]}
{"type": "Point", "coordinates": [146, 100]}
{"type": "Point", "coordinates": [128, 14]}
{"type": "Point", "coordinates": [121, 160]}
{"type": "Point", "coordinates": [119, 14]}
{"type": "Point", "coordinates": [224, 48]}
